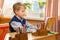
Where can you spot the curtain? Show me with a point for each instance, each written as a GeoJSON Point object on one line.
{"type": "Point", "coordinates": [1, 3]}
{"type": "Point", "coordinates": [52, 11]}
{"type": "Point", "coordinates": [1, 6]}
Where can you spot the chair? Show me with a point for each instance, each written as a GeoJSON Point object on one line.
{"type": "Point", "coordinates": [3, 30]}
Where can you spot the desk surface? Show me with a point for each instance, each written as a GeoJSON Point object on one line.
{"type": "Point", "coordinates": [30, 37]}
{"type": "Point", "coordinates": [49, 36]}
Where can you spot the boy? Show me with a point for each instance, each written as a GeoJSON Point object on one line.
{"type": "Point", "coordinates": [18, 21]}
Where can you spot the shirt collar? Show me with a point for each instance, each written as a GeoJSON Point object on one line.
{"type": "Point", "coordinates": [19, 18]}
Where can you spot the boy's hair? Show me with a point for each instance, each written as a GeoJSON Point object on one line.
{"type": "Point", "coordinates": [17, 6]}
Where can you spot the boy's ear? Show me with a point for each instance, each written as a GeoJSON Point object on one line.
{"type": "Point", "coordinates": [16, 11]}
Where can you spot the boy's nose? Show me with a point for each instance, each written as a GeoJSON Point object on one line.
{"type": "Point", "coordinates": [24, 14]}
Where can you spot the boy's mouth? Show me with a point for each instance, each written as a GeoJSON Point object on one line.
{"type": "Point", "coordinates": [25, 17]}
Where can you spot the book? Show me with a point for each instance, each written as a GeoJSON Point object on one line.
{"type": "Point", "coordinates": [50, 22]}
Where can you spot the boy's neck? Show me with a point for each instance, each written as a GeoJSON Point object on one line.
{"type": "Point", "coordinates": [19, 18]}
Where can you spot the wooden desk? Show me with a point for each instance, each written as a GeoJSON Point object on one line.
{"type": "Point", "coordinates": [34, 22]}
{"type": "Point", "coordinates": [31, 21]}
{"type": "Point", "coordinates": [4, 20]}
{"type": "Point", "coordinates": [47, 37]}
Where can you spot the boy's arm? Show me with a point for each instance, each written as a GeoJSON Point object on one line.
{"type": "Point", "coordinates": [16, 25]}
{"type": "Point", "coordinates": [30, 27]}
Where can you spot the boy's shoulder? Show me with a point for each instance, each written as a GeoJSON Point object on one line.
{"type": "Point", "coordinates": [15, 18]}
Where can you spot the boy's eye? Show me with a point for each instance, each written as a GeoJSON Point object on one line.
{"type": "Point", "coordinates": [22, 11]}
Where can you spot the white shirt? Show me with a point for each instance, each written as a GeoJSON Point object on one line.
{"type": "Point", "coordinates": [29, 28]}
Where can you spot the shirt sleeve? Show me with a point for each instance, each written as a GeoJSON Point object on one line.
{"type": "Point", "coordinates": [16, 25]}
{"type": "Point", "coordinates": [30, 27]}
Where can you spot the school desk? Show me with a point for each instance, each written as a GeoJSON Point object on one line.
{"type": "Point", "coordinates": [30, 37]}
{"type": "Point", "coordinates": [32, 21]}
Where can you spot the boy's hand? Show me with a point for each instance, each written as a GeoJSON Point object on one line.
{"type": "Point", "coordinates": [19, 30]}
{"type": "Point", "coordinates": [24, 29]}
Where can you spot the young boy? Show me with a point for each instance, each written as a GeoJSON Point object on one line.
{"type": "Point", "coordinates": [18, 21]}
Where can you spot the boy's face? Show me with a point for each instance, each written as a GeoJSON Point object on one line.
{"type": "Point", "coordinates": [21, 13]}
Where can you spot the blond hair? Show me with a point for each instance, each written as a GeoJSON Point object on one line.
{"type": "Point", "coordinates": [17, 6]}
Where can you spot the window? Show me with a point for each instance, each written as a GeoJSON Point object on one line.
{"type": "Point", "coordinates": [34, 7]}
